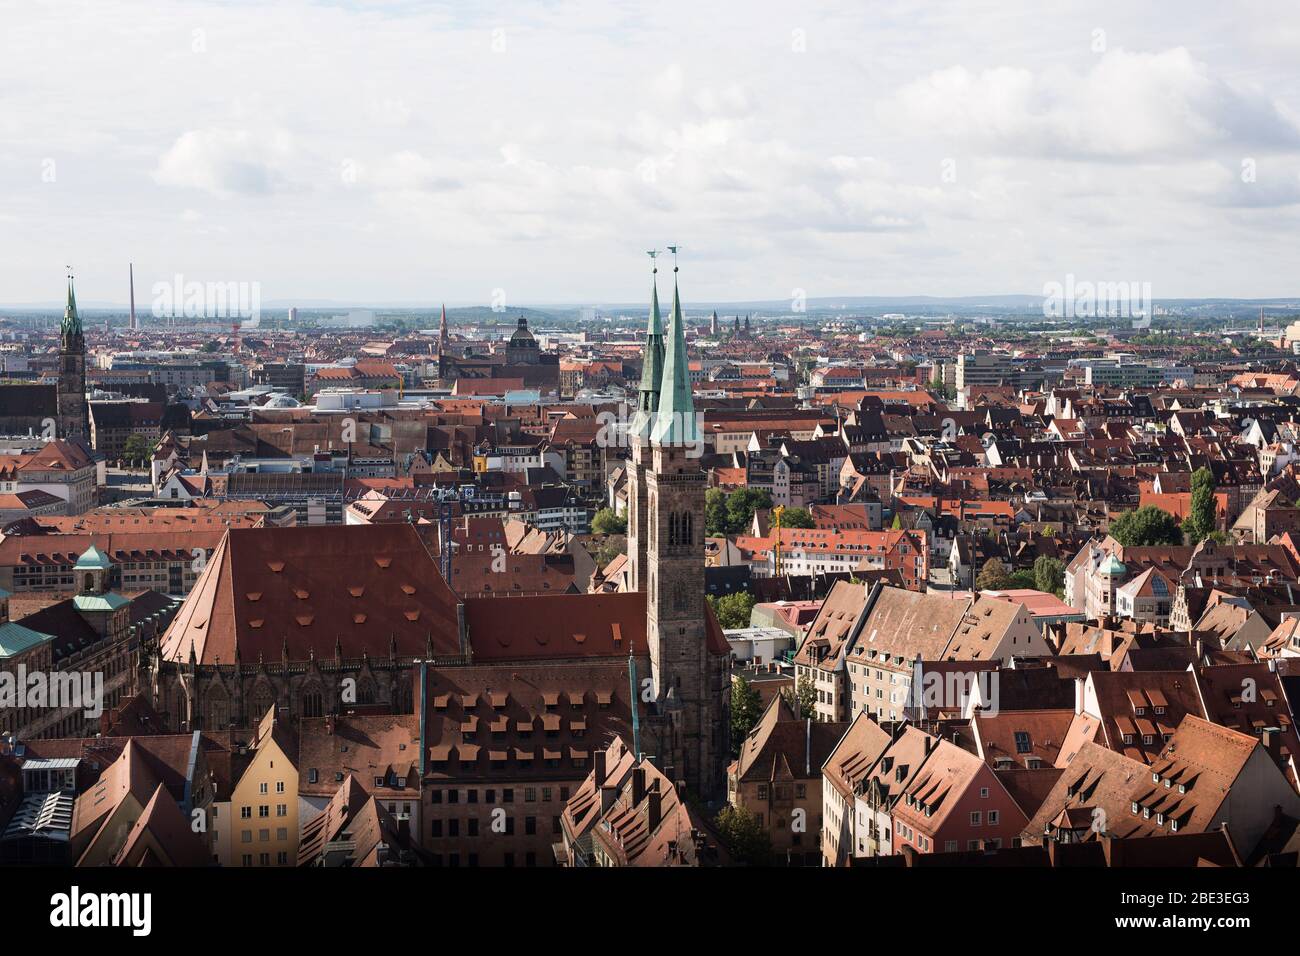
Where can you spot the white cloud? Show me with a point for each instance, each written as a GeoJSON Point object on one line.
{"type": "Point", "coordinates": [1128, 106]}
{"type": "Point", "coordinates": [947, 149]}
{"type": "Point", "coordinates": [226, 162]}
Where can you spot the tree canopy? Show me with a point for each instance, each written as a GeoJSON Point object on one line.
{"type": "Point", "coordinates": [1200, 520]}
{"type": "Point", "coordinates": [796, 518]}
{"type": "Point", "coordinates": [1146, 526]}
{"type": "Point", "coordinates": [1049, 575]}
{"type": "Point", "coordinates": [742, 832]}
{"type": "Point", "coordinates": [606, 521]}
{"type": "Point", "coordinates": [732, 610]}
{"type": "Point", "coordinates": [993, 576]}
{"type": "Point", "coordinates": [731, 513]}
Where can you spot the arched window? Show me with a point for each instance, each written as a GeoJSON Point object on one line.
{"type": "Point", "coordinates": [674, 522]}
{"type": "Point", "coordinates": [313, 704]}
{"type": "Point", "coordinates": [688, 528]}
{"type": "Point", "coordinates": [262, 701]}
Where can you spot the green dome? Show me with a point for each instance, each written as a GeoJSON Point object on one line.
{"type": "Point", "coordinates": [1113, 566]}
{"type": "Point", "coordinates": [93, 559]}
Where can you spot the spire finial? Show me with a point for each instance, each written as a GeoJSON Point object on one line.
{"type": "Point", "coordinates": [673, 250]}
{"type": "Point", "coordinates": [653, 254]}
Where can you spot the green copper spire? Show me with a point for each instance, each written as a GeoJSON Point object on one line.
{"type": "Point", "coordinates": [71, 323]}
{"type": "Point", "coordinates": [675, 422]}
{"type": "Point", "coordinates": [653, 363]}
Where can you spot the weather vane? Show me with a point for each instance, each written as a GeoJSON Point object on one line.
{"type": "Point", "coordinates": [653, 254]}
{"type": "Point", "coordinates": [673, 250]}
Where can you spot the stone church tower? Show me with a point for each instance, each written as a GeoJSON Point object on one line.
{"type": "Point", "coordinates": [688, 714]}
{"type": "Point", "coordinates": [74, 418]}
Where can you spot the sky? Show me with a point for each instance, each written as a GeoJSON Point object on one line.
{"type": "Point", "coordinates": [530, 153]}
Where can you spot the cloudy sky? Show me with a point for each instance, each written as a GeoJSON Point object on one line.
{"type": "Point", "coordinates": [368, 151]}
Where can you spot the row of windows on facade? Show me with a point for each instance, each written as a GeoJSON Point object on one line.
{"type": "Point", "coordinates": [453, 829]}
{"type": "Point", "coordinates": [264, 859]}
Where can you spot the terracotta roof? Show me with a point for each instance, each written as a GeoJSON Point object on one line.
{"type": "Point", "coordinates": [266, 591]}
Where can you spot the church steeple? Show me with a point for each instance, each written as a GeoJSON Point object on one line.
{"type": "Point", "coordinates": [675, 418]}
{"type": "Point", "coordinates": [71, 324]}
{"type": "Point", "coordinates": [652, 365]}
{"type": "Point", "coordinates": [73, 413]}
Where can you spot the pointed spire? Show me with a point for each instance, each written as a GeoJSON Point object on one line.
{"type": "Point", "coordinates": [675, 422]}
{"type": "Point", "coordinates": [652, 363]}
{"type": "Point", "coordinates": [71, 324]}
{"type": "Point", "coordinates": [442, 331]}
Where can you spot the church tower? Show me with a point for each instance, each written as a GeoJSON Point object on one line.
{"type": "Point", "coordinates": [74, 419]}
{"type": "Point", "coordinates": [688, 679]}
{"type": "Point", "coordinates": [639, 435]}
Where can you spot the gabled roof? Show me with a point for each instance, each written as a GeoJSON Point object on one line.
{"type": "Point", "coordinates": [783, 747]}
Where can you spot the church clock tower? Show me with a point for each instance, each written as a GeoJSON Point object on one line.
{"type": "Point", "coordinates": [73, 415]}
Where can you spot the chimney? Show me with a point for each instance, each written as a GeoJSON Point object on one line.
{"type": "Point", "coordinates": [598, 767]}
{"type": "Point", "coordinates": [1271, 738]}
{"type": "Point", "coordinates": [1078, 695]}
{"type": "Point", "coordinates": [638, 785]}
{"type": "Point", "coordinates": [654, 809]}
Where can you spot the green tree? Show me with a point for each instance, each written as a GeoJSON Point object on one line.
{"type": "Point", "coordinates": [1146, 526]}
{"type": "Point", "coordinates": [746, 708]}
{"type": "Point", "coordinates": [715, 512]}
{"type": "Point", "coordinates": [803, 698]}
{"type": "Point", "coordinates": [993, 576]}
{"type": "Point", "coordinates": [1024, 580]}
{"type": "Point", "coordinates": [1200, 519]}
{"type": "Point", "coordinates": [741, 505]}
{"type": "Point", "coordinates": [605, 521]}
{"type": "Point", "coordinates": [897, 523]}
{"type": "Point", "coordinates": [137, 448]}
{"type": "Point", "coordinates": [796, 518]}
{"type": "Point", "coordinates": [732, 610]}
{"type": "Point", "coordinates": [1049, 575]}
{"type": "Point", "coordinates": [742, 833]}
